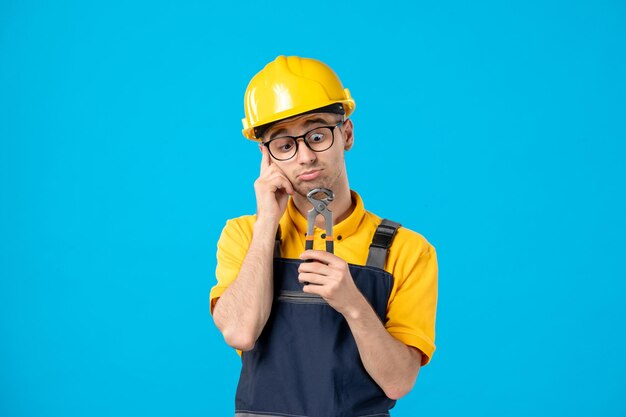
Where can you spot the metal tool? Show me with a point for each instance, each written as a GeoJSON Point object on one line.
{"type": "Point", "coordinates": [320, 206]}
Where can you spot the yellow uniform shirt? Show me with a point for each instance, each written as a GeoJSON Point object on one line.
{"type": "Point", "coordinates": [411, 260]}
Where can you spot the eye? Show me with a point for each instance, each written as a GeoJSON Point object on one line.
{"type": "Point", "coordinates": [316, 138]}
{"type": "Point", "coordinates": [282, 145]}
{"type": "Point", "coordinates": [286, 146]}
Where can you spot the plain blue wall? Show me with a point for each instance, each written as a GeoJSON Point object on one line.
{"type": "Point", "coordinates": [496, 129]}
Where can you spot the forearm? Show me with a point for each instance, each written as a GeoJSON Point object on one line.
{"type": "Point", "coordinates": [243, 309]}
{"type": "Point", "coordinates": [392, 364]}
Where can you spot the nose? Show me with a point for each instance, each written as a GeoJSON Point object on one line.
{"type": "Point", "coordinates": [304, 155]}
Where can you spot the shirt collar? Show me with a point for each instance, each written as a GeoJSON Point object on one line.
{"type": "Point", "coordinates": [345, 228]}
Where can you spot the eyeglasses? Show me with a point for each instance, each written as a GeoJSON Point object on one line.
{"type": "Point", "coordinates": [319, 139]}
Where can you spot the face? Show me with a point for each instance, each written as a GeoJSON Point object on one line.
{"type": "Point", "coordinates": [309, 169]}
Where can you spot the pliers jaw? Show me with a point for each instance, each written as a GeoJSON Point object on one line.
{"type": "Point", "coordinates": [320, 206]}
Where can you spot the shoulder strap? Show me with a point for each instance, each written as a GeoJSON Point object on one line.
{"type": "Point", "coordinates": [381, 242]}
{"type": "Point", "coordinates": [277, 243]}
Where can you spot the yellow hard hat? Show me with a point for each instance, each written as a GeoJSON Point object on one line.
{"type": "Point", "coordinates": [289, 86]}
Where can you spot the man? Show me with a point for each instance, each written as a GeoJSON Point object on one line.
{"type": "Point", "coordinates": [321, 334]}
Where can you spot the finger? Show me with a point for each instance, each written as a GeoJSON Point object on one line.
{"type": "Point", "coordinates": [280, 181]}
{"type": "Point", "coordinates": [265, 157]}
{"type": "Point", "coordinates": [321, 256]}
{"type": "Point", "coordinates": [315, 279]}
{"type": "Point", "coordinates": [314, 289]}
{"type": "Point", "coordinates": [314, 268]}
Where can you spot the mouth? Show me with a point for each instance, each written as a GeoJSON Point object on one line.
{"type": "Point", "coordinates": [309, 175]}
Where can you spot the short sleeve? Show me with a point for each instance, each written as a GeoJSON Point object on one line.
{"type": "Point", "coordinates": [412, 306]}
{"type": "Point", "coordinates": [232, 247]}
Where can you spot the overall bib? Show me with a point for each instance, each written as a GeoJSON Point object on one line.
{"type": "Point", "coordinates": [306, 362]}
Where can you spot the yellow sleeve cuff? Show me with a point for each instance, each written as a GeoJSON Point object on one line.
{"type": "Point", "coordinates": [420, 342]}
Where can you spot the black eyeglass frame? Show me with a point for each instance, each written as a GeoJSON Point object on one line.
{"type": "Point", "coordinates": [295, 139]}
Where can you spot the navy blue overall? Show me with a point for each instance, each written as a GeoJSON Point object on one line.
{"type": "Point", "coordinates": [306, 362]}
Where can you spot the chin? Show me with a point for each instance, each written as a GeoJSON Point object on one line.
{"type": "Point", "coordinates": [304, 188]}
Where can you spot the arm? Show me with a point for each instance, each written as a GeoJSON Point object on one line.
{"type": "Point", "coordinates": [243, 309]}
{"type": "Point", "coordinates": [392, 364]}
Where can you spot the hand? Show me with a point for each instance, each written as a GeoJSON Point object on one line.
{"type": "Point", "coordinates": [272, 189]}
{"type": "Point", "coordinates": [329, 277]}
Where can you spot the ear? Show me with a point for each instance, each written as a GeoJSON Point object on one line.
{"type": "Point", "coordinates": [348, 134]}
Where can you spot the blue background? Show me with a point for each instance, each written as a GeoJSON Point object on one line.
{"type": "Point", "coordinates": [496, 129]}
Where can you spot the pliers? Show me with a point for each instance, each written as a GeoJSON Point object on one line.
{"type": "Point", "coordinates": [320, 206]}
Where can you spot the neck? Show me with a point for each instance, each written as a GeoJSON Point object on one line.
{"type": "Point", "coordinates": [341, 206]}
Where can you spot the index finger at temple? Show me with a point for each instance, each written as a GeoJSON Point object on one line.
{"type": "Point", "coordinates": [265, 157]}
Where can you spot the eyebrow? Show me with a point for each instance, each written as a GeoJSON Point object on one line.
{"type": "Point", "coordinates": [307, 123]}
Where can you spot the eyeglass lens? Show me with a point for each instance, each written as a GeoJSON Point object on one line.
{"type": "Point", "coordinates": [318, 140]}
